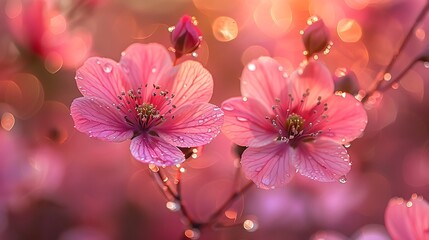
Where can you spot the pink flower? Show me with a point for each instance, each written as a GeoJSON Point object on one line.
{"type": "Point", "coordinates": [407, 220]}
{"type": "Point", "coordinates": [292, 124]}
{"type": "Point", "coordinates": [186, 36]}
{"type": "Point", "coordinates": [41, 30]}
{"type": "Point", "coordinates": [146, 99]}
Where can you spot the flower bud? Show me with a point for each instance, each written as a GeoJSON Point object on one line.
{"type": "Point", "coordinates": [185, 36]}
{"type": "Point", "coordinates": [346, 81]}
{"type": "Point", "coordinates": [315, 37]}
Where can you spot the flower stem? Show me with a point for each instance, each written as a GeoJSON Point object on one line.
{"type": "Point", "coordinates": [398, 77]}
{"type": "Point", "coordinates": [380, 78]}
{"type": "Point", "coordinates": [165, 187]}
{"type": "Point", "coordinates": [215, 215]}
{"type": "Point", "coordinates": [175, 195]}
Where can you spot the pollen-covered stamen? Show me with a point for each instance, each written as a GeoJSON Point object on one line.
{"type": "Point", "coordinates": [294, 126]}
{"type": "Point", "coordinates": [146, 111]}
{"type": "Point", "coordinates": [142, 109]}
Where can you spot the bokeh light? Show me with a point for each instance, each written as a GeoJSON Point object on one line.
{"type": "Point", "coordinates": [273, 18]}
{"type": "Point", "coordinates": [7, 121]}
{"type": "Point", "coordinates": [349, 30]}
{"type": "Point", "coordinates": [225, 29]}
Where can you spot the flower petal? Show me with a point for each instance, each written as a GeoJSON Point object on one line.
{"type": "Point", "coordinates": [408, 219]}
{"type": "Point", "coordinates": [101, 78]}
{"type": "Point", "coordinates": [193, 125]}
{"type": "Point", "coordinates": [314, 78]}
{"type": "Point", "coordinates": [146, 65]}
{"type": "Point", "coordinates": [192, 83]}
{"type": "Point", "coordinates": [245, 123]}
{"type": "Point", "coordinates": [98, 119]}
{"type": "Point", "coordinates": [321, 160]}
{"type": "Point", "coordinates": [264, 79]}
{"type": "Point", "coordinates": [268, 166]}
{"type": "Point", "coordinates": [419, 215]}
{"type": "Point", "coordinates": [346, 120]}
{"type": "Point", "coordinates": [397, 221]}
{"type": "Point", "coordinates": [152, 149]}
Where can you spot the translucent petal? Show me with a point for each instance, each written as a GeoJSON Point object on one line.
{"type": "Point", "coordinates": [321, 160]}
{"type": "Point", "coordinates": [101, 78]}
{"type": "Point", "coordinates": [98, 119]}
{"type": "Point", "coordinates": [151, 149]}
{"type": "Point", "coordinates": [245, 123]}
{"type": "Point", "coordinates": [346, 120]}
{"type": "Point", "coordinates": [268, 166]}
{"type": "Point", "coordinates": [313, 79]}
{"type": "Point", "coordinates": [264, 79]}
{"type": "Point", "coordinates": [192, 125]}
{"type": "Point", "coordinates": [192, 83]}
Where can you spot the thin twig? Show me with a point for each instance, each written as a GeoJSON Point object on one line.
{"type": "Point", "coordinates": [379, 85]}
{"type": "Point", "coordinates": [215, 215]}
{"type": "Point", "coordinates": [165, 184]}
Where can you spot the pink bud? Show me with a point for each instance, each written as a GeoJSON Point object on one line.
{"type": "Point", "coordinates": [186, 36]}
{"type": "Point", "coordinates": [315, 36]}
{"type": "Point", "coordinates": [346, 81]}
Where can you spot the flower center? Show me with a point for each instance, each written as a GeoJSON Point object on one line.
{"type": "Point", "coordinates": [294, 125]}
{"type": "Point", "coordinates": [300, 121]}
{"type": "Point", "coordinates": [147, 110]}
{"type": "Point", "coordinates": [145, 107]}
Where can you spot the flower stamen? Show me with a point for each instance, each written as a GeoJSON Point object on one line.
{"type": "Point", "coordinates": [294, 125]}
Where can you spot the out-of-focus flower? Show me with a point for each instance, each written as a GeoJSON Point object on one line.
{"type": "Point", "coordinates": [14, 168]}
{"type": "Point", "coordinates": [315, 36]}
{"type": "Point", "coordinates": [346, 81]}
{"type": "Point", "coordinates": [407, 220]}
{"type": "Point", "coordinates": [43, 31]}
{"type": "Point", "coordinates": [292, 124]}
{"type": "Point", "coordinates": [145, 98]}
{"type": "Point", "coordinates": [185, 36]}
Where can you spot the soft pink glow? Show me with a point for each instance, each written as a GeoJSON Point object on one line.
{"type": "Point", "coordinates": [43, 31]}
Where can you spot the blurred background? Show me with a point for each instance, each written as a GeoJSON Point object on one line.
{"type": "Point", "coordinates": [57, 183]}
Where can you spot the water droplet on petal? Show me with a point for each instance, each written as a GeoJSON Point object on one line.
{"type": "Point", "coordinates": [285, 75]}
{"type": "Point", "coordinates": [153, 70]}
{"type": "Point", "coordinates": [342, 179]}
{"type": "Point", "coordinates": [266, 180]}
{"type": "Point", "coordinates": [171, 29]}
{"type": "Point", "coordinates": [228, 108]}
{"type": "Point", "coordinates": [201, 121]}
{"type": "Point", "coordinates": [251, 67]}
{"type": "Point", "coordinates": [107, 68]}
{"type": "Point", "coordinates": [194, 54]}
{"type": "Point", "coordinates": [426, 64]}
{"type": "Point", "coordinates": [241, 119]}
